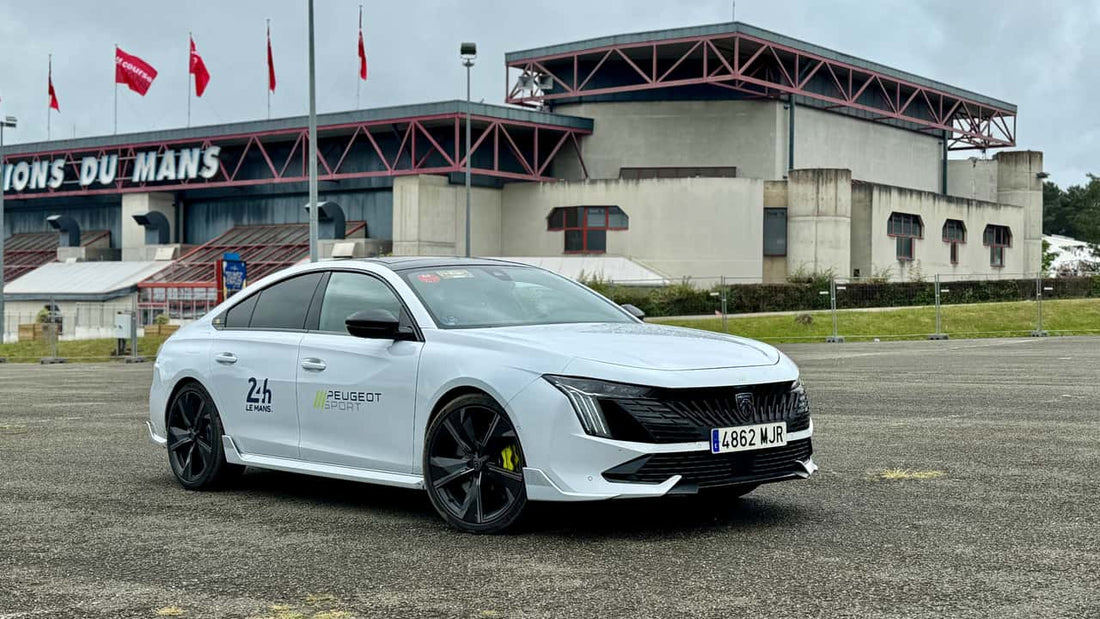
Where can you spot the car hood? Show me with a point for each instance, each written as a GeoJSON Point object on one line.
{"type": "Point", "coordinates": [639, 345]}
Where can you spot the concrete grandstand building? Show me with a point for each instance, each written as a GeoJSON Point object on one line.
{"type": "Point", "coordinates": [722, 150]}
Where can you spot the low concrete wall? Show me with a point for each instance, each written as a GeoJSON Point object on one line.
{"type": "Point", "coordinates": [931, 255]}
{"type": "Point", "coordinates": [701, 227]}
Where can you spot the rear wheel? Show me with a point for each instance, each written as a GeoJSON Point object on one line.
{"type": "Point", "coordinates": [473, 465]}
{"type": "Point", "coordinates": [195, 431]}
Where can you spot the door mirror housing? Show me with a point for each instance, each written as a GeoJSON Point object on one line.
{"type": "Point", "coordinates": [634, 311]}
{"type": "Point", "coordinates": [378, 324]}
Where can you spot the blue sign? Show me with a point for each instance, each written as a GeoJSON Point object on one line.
{"type": "Point", "coordinates": [234, 275]}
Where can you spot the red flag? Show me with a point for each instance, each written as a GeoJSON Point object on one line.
{"type": "Point", "coordinates": [134, 72]}
{"type": "Point", "coordinates": [270, 63]}
{"type": "Point", "coordinates": [54, 105]}
{"type": "Point", "coordinates": [362, 50]}
{"type": "Point", "coordinates": [198, 69]}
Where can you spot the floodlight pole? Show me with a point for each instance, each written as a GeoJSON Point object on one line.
{"type": "Point", "coordinates": [5, 121]}
{"type": "Point", "coordinates": [312, 144]}
{"type": "Point", "coordinates": [468, 53]}
{"type": "Point", "coordinates": [468, 65]}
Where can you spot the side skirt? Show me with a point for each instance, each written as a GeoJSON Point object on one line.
{"type": "Point", "coordinates": [335, 471]}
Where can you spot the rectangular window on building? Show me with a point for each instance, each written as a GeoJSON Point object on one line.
{"type": "Point", "coordinates": [629, 173]}
{"type": "Point", "coordinates": [954, 232]}
{"type": "Point", "coordinates": [586, 227]}
{"type": "Point", "coordinates": [905, 227]}
{"type": "Point", "coordinates": [997, 238]}
{"type": "Point", "coordinates": [775, 232]}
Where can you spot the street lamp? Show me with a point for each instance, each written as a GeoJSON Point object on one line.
{"type": "Point", "coordinates": [468, 53]}
{"type": "Point", "coordinates": [8, 122]}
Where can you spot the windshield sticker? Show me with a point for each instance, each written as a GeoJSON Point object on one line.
{"type": "Point", "coordinates": [455, 274]}
{"type": "Point", "coordinates": [428, 278]}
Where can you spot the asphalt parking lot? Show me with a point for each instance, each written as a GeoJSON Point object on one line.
{"type": "Point", "coordinates": [996, 512]}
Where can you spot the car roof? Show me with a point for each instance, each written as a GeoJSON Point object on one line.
{"type": "Point", "coordinates": [405, 263]}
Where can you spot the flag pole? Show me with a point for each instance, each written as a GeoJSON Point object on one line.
{"type": "Point", "coordinates": [49, 102]}
{"type": "Point", "coordinates": [269, 69]}
{"type": "Point", "coordinates": [357, 77]}
{"type": "Point", "coordinates": [188, 78]}
{"type": "Point", "coordinates": [116, 89]}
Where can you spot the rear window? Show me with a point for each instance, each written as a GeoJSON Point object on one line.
{"type": "Point", "coordinates": [285, 304]}
{"type": "Point", "coordinates": [240, 314]}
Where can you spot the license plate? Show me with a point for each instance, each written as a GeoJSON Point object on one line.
{"type": "Point", "coordinates": [745, 438]}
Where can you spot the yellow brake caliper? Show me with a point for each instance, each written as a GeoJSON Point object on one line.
{"type": "Point", "coordinates": [509, 459]}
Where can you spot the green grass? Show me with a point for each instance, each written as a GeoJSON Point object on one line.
{"type": "Point", "coordinates": [77, 351]}
{"type": "Point", "coordinates": [1061, 317]}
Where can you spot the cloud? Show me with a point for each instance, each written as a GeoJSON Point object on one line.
{"type": "Point", "coordinates": [1038, 56]}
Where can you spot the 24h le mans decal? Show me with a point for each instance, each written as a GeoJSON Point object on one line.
{"type": "Point", "coordinates": [259, 397]}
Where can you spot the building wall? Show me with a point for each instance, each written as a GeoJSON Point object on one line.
{"type": "Point", "coordinates": [775, 267]}
{"type": "Point", "coordinates": [29, 216]}
{"type": "Point", "coordinates": [972, 178]}
{"type": "Point", "coordinates": [930, 254]}
{"type": "Point", "coordinates": [205, 219]}
{"type": "Point", "coordinates": [745, 134]}
{"type": "Point", "coordinates": [819, 222]}
{"type": "Point", "coordinates": [429, 218]}
{"type": "Point", "coordinates": [1019, 182]}
{"type": "Point", "coordinates": [133, 234]}
{"type": "Point", "coordinates": [700, 227]}
{"type": "Point", "coordinates": [874, 152]}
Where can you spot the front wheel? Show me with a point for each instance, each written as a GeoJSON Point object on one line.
{"type": "Point", "coordinates": [195, 431]}
{"type": "Point", "coordinates": [473, 465]}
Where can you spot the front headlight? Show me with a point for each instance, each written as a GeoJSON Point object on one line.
{"type": "Point", "coordinates": [584, 394]}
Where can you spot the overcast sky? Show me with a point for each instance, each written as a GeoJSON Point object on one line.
{"type": "Point", "coordinates": [1042, 59]}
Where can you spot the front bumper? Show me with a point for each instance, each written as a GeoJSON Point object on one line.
{"type": "Point", "coordinates": [565, 464]}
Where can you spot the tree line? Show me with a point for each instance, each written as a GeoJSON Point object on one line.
{"type": "Point", "coordinates": [1074, 211]}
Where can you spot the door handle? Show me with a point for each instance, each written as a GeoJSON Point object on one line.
{"type": "Point", "coordinates": [313, 363]}
{"type": "Point", "coordinates": [226, 358]}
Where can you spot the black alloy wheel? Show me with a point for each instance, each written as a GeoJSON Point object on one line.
{"type": "Point", "coordinates": [473, 465]}
{"type": "Point", "coordinates": [195, 431]}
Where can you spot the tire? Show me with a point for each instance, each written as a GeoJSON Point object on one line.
{"type": "Point", "coordinates": [195, 452]}
{"type": "Point", "coordinates": [473, 465]}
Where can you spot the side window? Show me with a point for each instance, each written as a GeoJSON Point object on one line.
{"type": "Point", "coordinates": [284, 305]}
{"type": "Point", "coordinates": [240, 314]}
{"type": "Point", "coordinates": [348, 293]}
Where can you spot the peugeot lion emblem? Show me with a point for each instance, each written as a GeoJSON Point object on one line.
{"type": "Point", "coordinates": [746, 409]}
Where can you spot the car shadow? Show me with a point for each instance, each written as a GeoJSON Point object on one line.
{"type": "Point", "coordinates": [660, 517]}
{"type": "Point", "coordinates": [637, 518]}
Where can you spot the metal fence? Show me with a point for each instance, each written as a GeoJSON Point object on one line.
{"type": "Point", "coordinates": [839, 309]}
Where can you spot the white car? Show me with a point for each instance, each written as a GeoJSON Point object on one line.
{"type": "Point", "coordinates": [485, 382]}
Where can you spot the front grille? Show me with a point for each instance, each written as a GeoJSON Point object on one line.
{"type": "Point", "coordinates": [688, 415]}
{"type": "Point", "coordinates": [703, 469]}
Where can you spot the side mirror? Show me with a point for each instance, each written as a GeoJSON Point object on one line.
{"type": "Point", "coordinates": [634, 311]}
{"type": "Point", "coordinates": [378, 324]}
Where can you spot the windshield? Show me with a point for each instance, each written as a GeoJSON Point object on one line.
{"type": "Point", "coordinates": [501, 296]}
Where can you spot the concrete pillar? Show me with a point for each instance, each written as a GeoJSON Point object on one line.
{"type": "Point", "coordinates": [429, 218]}
{"type": "Point", "coordinates": [133, 235]}
{"type": "Point", "coordinates": [1019, 184]}
{"type": "Point", "coordinates": [819, 222]}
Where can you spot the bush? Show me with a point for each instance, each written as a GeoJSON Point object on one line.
{"type": "Point", "coordinates": [683, 299]}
